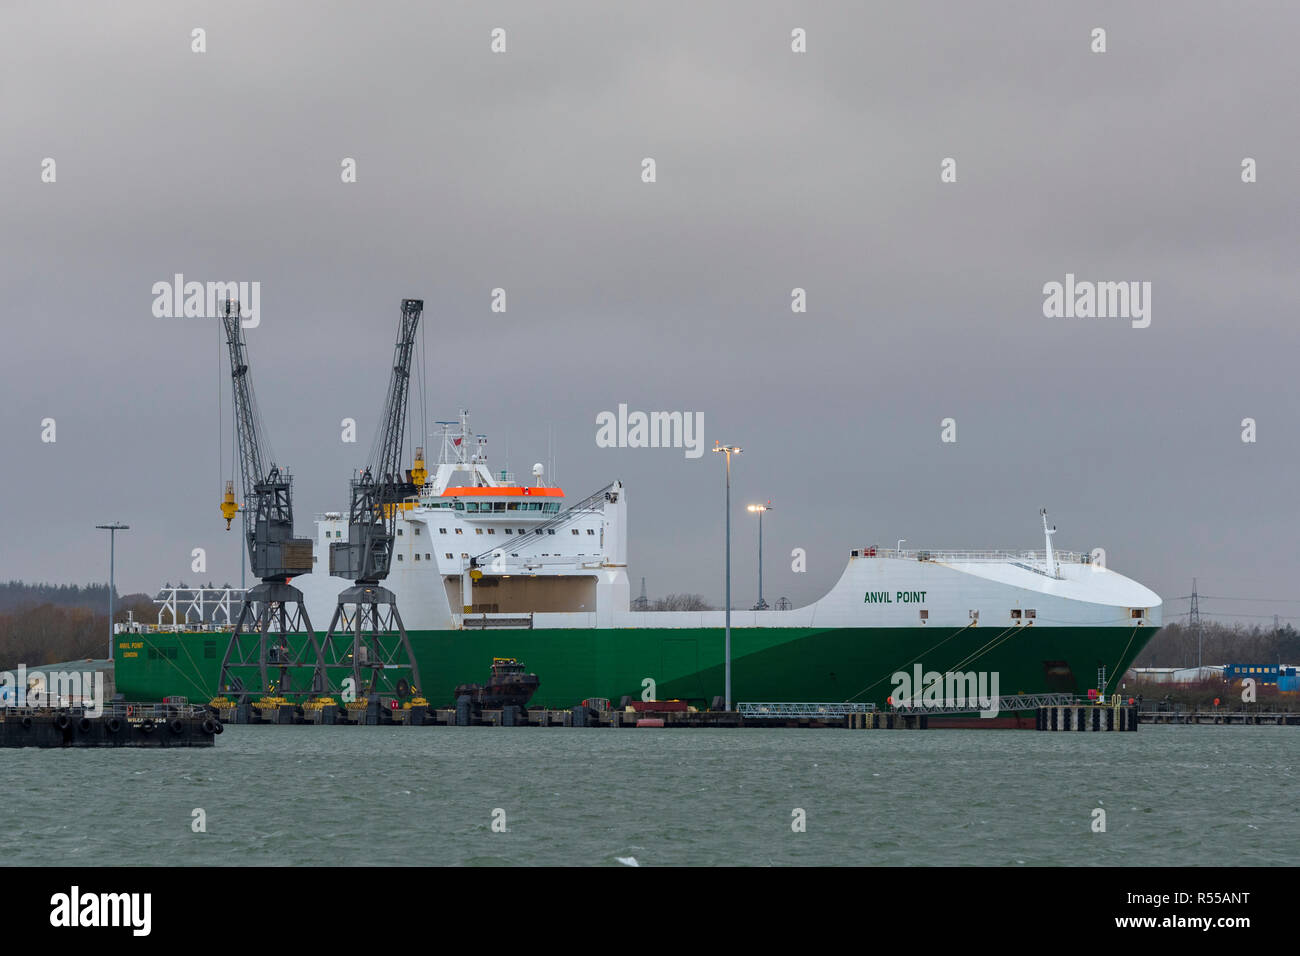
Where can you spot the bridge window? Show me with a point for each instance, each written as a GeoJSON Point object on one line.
{"type": "Point", "coordinates": [1030, 613]}
{"type": "Point", "coordinates": [417, 556]}
{"type": "Point", "coordinates": [550, 531]}
{"type": "Point", "coordinates": [448, 555]}
{"type": "Point", "coordinates": [399, 557]}
{"type": "Point", "coordinates": [399, 532]}
{"type": "Point", "coordinates": [925, 615]}
{"type": "Point", "coordinates": [417, 530]}
{"type": "Point", "coordinates": [591, 531]}
{"type": "Point", "coordinates": [974, 615]}
{"type": "Point", "coordinates": [575, 530]}
{"type": "Point", "coordinates": [426, 556]}
{"type": "Point", "coordinates": [510, 531]}
{"type": "Point", "coordinates": [492, 530]}
{"type": "Point", "coordinates": [478, 530]}
{"type": "Point", "coordinates": [1015, 614]}
{"type": "Point", "coordinates": [460, 530]}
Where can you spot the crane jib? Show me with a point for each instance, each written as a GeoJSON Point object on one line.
{"type": "Point", "coordinates": [274, 553]}
{"type": "Point", "coordinates": [372, 514]}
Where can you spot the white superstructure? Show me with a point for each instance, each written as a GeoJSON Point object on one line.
{"type": "Point", "coordinates": [478, 539]}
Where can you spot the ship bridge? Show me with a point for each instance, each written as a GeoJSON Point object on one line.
{"type": "Point", "coordinates": [478, 542]}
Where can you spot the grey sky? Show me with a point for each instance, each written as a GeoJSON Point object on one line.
{"type": "Point", "coordinates": [775, 170]}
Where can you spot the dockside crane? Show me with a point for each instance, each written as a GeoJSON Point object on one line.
{"type": "Point", "coordinates": [273, 629]}
{"type": "Point", "coordinates": [380, 651]}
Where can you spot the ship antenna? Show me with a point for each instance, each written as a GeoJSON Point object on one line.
{"type": "Point", "coordinates": [1047, 535]}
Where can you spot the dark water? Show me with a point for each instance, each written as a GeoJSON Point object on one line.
{"type": "Point", "coordinates": [384, 796]}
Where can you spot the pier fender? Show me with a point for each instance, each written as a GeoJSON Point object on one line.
{"type": "Point", "coordinates": [62, 722]}
{"type": "Point", "coordinates": [114, 725]}
{"type": "Point", "coordinates": [210, 726]}
{"type": "Point", "coordinates": [147, 725]}
{"type": "Point", "coordinates": [27, 723]}
{"type": "Point", "coordinates": [84, 725]}
{"type": "Point", "coordinates": [176, 726]}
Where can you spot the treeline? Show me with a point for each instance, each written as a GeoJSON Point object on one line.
{"type": "Point", "coordinates": [680, 602]}
{"type": "Point", "coordinates": [43, 624]}
{"type": "Point", "coordinates": [1175, 645]}
{"type": "Point", "coordinates": [15, 595]}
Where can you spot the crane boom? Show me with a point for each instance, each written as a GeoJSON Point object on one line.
{"type": "Point", "coordinates": [274, 553]}
{"type": "Point", "coordinates": [386, 458]}
{"type": "Point", "coordinates": [248, 424]}
{"type": "Point", "coordinates": [381, 487]}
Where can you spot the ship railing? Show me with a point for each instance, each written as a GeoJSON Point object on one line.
{"type": "Point", "coordinates": [784, 709]}
{"type": "Point", "coordinates": [187, 606]}
{"type": "Point", "coordinates": [1008, 704]}
{"type": "Point", "coordinates": [193, 627]}
{"type": "Point", "coordinates": [490, 619]}
{"type": "Point", "coordinates": [35, 710]}
{"type": "Point", "coordinates": [158, 711]}
{"type": "Point", "coordinates": [920, 554]}
{"type": "Point", "coordinates": [113, 708]}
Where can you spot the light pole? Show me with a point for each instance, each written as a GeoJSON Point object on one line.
{"type": "Point", "coordinates": [899, 549]}
{"type": "Point", "coordinates": [112, 530]}
{"type": "Point", "coordinates": [728, 450]}
{"type": "Point", "coordinates": [761, 509]}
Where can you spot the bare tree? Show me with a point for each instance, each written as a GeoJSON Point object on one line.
{"type": "Point", "coordinates": [681, 602]}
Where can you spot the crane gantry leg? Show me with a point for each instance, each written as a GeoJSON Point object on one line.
{"type": "Point", "coordinates": [272, 631]}
{"type": "Point", "coordinates": [366, 635]}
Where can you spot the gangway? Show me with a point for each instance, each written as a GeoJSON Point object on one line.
{"type": "Point", "coordinates": [785, 709]}
{"type": "Point", "coordinates": [1008, 704]}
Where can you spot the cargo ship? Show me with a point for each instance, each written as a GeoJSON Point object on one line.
{"type": "Point", "coordinates": [487, 567]}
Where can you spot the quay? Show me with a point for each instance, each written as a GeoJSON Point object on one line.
{"type": "Point", "coordinates": [1247, 718]}
{"type": "Point", "coordinates": [1044, 712]}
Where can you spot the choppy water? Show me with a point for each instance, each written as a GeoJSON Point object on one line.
{"type": "Point", "coordinates": [378, 795]}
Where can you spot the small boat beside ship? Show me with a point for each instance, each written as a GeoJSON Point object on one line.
{"type": "Point", "coordinates": [509, 686]}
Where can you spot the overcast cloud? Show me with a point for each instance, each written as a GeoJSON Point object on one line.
{"type": "Point", "coordinates": [775, 170]}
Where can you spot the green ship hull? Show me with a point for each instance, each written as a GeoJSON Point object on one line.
{"type": "Point", "coordinates": [768, 664]}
